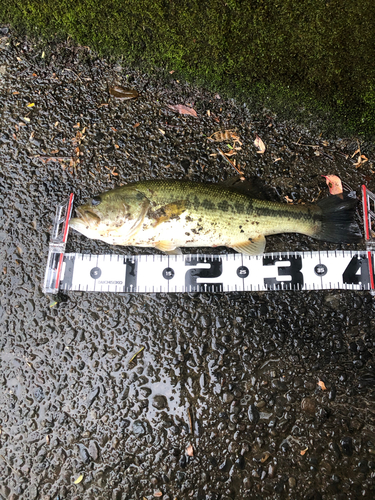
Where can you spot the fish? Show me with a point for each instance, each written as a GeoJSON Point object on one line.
{"type": "Point", "coordinates": [170, 214]}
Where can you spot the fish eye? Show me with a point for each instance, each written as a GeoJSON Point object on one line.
{"type": "Point", "coordinates": [96, 200]}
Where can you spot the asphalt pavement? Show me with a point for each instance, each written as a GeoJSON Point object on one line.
{"type": "Point", "coordinates": [205, 396]}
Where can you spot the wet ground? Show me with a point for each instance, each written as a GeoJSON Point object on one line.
{"type": "Point", "coordinates": [262, 395]}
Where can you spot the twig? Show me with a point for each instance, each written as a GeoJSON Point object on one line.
{"type": "Point", "coordinates": [190, 421]}
{"type": "Point", "coordinates": [307, 145]}
{"type": "Point", "coordinates": [228, 160]}
{"type": "Point", "coordinates": [136, 354]}
{"type": "Point", "coordinates": [8, 464]}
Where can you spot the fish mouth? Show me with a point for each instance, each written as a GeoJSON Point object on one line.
{"type": "Point", "coordinates": [87, 217]}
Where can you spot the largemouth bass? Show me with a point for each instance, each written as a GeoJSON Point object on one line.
{"type": "Point", "coordinates": [167, 214]}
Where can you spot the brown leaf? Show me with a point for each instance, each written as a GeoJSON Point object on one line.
{"type": "Point", "coordinates": [223, 135]}
{"type": "Point", "coordinates": [136, 125]}
{"type": "Point", "coordinates": [334, 184]}
{"type": "Point", "coordinates": [322, 385]}
{"type": "Point", "coordinates": [122, 93]}
{"type": "Point", "coordinates": [355, 152]}
{"type": "Point", "coordinates": [171, 72]}
{"type": "Point", "coordinates": [304, 451]}
{"type": "Point", "coordinates": [260, 145]}
{"type": "Point", "coordinates": [158, 493]}
{"type": "Point", "coordinates": [288, 199]}
{"type": "Point", "coordinates": [190, 451]}
{"type": "Point", "coordinates": [183, 110]}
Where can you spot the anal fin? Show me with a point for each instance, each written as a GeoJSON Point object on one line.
{"type": "Point", "coordinates": [252, 246]}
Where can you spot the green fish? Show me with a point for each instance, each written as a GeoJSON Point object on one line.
{"type": "Point", "coordinates": [169, 214]}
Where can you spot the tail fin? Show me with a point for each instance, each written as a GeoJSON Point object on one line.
{"type": "Point", "coordinates": [338, 223]}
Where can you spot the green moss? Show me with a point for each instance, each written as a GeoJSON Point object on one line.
{"type": "Point", "coordinates": [316, 55]}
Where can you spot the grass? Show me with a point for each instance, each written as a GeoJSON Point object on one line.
{"type": "Point", "coordinates": [311, 55]}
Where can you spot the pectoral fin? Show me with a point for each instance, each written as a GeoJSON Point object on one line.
{"type": "Point", "coordinates": [253, 246]}
{"type": "Point", "coordinates": [167, 212]}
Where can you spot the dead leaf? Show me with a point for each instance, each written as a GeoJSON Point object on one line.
{"type": "Point", "coordinates": [122, 93]}
{"type": "Point", "coordinates": [334, 184]}
{"type": "Point", "coordinates": [361, 159]}
{"type": "Point", "coordinates": [136, 125]}
{"type": "Point", "coordinates": [171, 72]}
{"type": "Point", "coordinates": [190, 451]}
{"type": "Point", "coordinates": [79, 479]}
{"type": "Point", "coordinates": [322, 385]}
{"type": "Point", "coordinates": [183, 110]}
{"type": "Point", "coordinates": [158, 493]}
{"type": "Point", "coordinates": [161, 131]}
{"type": "Point", "coordinates": [355, 152]}
{"type": "Point", "coordinates": [223, 135]}
{"type": "Point", "coordinates": [260, 145]}
{"type": "Point", "coordinates": [208, 112]}
{"type": "Point", "coordinates": [47, 439]}
{"type": "Point", "coordinates": [77, 125]}
{"type": "Point", "coordinates": [31, 104]}
{"type": "Point", "coordinates": [304, 451]}
{"type": "Point", "coordinates": [288, 199]}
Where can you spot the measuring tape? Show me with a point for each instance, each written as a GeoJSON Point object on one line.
{"type": "Point", "coordinates": [348, 270]}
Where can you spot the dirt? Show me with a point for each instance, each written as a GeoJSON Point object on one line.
{"type": "Point", "coordinates": [226, 399]}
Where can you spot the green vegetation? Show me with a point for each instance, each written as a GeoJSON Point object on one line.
{"type": "Point", "coordinates": [309, 55]}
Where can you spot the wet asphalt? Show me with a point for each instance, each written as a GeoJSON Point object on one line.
{"type": "Point", "coordinates": [226, 399]}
